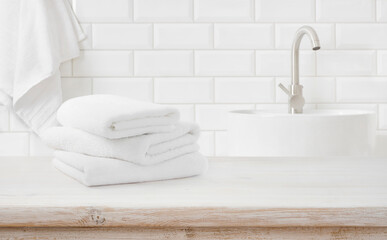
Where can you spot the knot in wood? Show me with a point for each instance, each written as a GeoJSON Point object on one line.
{"type": "Point", "coordinates": [96, 216]}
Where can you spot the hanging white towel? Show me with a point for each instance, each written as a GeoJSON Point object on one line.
{"type": "Point", "coordinates": [94, 171]}
{"type": "Point", "coordinates": [36, 36]}
{"type": "Point", "coordinates": [113, 117]}
{"type": "Point", "coordinates": [143, 150]}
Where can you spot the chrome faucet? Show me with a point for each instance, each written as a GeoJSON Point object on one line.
{"type": "Point", "coordinates": [296, 101]}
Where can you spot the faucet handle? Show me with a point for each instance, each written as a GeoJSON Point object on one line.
{"type": "Point", "coordinates": [284, 89]}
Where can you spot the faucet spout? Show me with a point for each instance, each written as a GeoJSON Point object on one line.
{"type": "Point", "coordinates": [311, 33]}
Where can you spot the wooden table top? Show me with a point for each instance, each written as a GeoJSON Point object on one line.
{"type": "Point", "coordinates": [238, 192]}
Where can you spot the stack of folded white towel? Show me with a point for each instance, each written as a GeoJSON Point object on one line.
{"type": "Point", "coordinates": [107, 139]}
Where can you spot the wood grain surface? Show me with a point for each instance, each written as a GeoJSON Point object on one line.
{"type": "Point", "coordinates": [299, 233]}
{"type": "Point", "coordinates": [189, 217]}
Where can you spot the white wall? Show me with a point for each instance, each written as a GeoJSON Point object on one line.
{"type": "Point", "coordinates": [209, 56]}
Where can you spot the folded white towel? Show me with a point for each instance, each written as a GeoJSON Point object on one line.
{"type": "Point", "coordinates": [35, 38]}
{"type": "Point", "coordinates": [115, 117]}
{"type": "Point", "coordinates": [94, 171]}
{"type": "Point", "coordinates": [144, 150]}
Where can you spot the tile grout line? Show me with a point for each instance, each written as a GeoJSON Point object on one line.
{"type": "Point", "coordinates": [153, 35]}
{"type": "Point", "coordinates": [274, 34]}
{"type": "Point", "coordinates": [153, 90]}
{"type": "Point", "coordinates": [214, 142]}
{"type": "Point", "coordinates": [92, 36]}
{"type": "Point", "coordinates": [253, 10]}
{"type": "Point", "coordinates": [213, 36]}
{"type": "Point", "coordinates": [377, 62]}
{"type": "Point", "coordinates": [274, 90]}
{"type": "Point", "coordinates": [131, 4]}
{"type": "Point", "coordinates": [193, 11]}
{"type": "Point", "coordinates": [193, 63]}
{"type": "Point", "coordinates": [213, 90]}
{"type": "Point", "coordinates": [377, 116]}
{"type": "Point", "coordinates": [335, 89]}
{"type": "Point", "coordinates": [334, 36]}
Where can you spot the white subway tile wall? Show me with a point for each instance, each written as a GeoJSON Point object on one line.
{"type": "Point", "coordinates": [163, 63]}
{"type": "Point", "coordinates": [162, 10]}
{"type": "Point", "coordinates": [103, 63]}
{"type": "Point", "coordinates": [224, 63]}
{"type": "Point", "coordinates": [75, 87]}
{"type": "Point", "coordinates": [135, 88]}
{"type": "Point", "coordinates": [244, 90]}
{"type": "Point", "coordinates": [350, 36]}
{"type": "Point", "coordinates": [183, 36]}
{"type": "Point", "coordinates": [285, 11]}
{"type": "Point", "coordinates": [122, 36]}
{"type": "Point", "coordinates": [345, 11]}
{"type": "Point", "coordinates": [184, 90]}
{"type": "Point", "coordinates": [346, 63]}
{"type": "Point", "coordinates": [207, 57]}
{"type": "Point", "coordinates": [223, 10]}
{"type": "Point", "coordinates": [361, 89]}
{"type": "Point", "coordinates": [104, 10]}
{"type": "Point", "coordinates": [246, 36]}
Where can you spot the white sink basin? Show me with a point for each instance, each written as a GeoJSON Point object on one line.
{"type": "Point", "coordinates": [313, 133]}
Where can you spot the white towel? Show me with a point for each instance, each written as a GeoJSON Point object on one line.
{"type": "Point", "coordinates": [94, 171]}
{"type": "Point", "coordinates": [115, 117]}
{"type": "Point", "coordinates": [144, 150]}
{"type": "Point", "coordinates": [35, 38]}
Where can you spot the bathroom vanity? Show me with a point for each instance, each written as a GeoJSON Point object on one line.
{"type": "Point", "coordinates": [238, 198]}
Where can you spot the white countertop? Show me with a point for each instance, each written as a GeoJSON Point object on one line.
{"type": "Point", "coordinates": [234, 192]}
